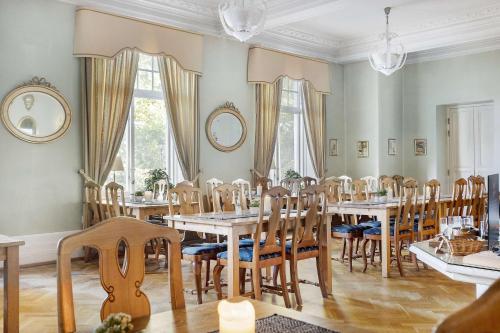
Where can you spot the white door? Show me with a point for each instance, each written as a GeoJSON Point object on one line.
{"type": "Point", "coordinates": [470, 141]}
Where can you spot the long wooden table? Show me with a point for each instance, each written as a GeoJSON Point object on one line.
{"type": "Point", "coordinates": [234, 226]}
{"type": "Point", "coordinates": [383, 212]}
{"type": "Point", "coordinates": [9, 254]}
{"type": "Point", "coordinates": [143, 210]}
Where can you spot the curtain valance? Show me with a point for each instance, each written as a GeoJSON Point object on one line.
{"type": "Point", "coordinates": [99, 34]}
{"type": "Point", "coordinates": [266, 66]}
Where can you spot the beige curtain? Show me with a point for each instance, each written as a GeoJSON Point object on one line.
{"type": "Point", "coordinates": [107, 90]}
{"type": "Point", "coordinates": [268, 104]}
{"type": "Point", "coordinates": [180, 88]}
{"type": "Point", "coordinates": [314, 106]}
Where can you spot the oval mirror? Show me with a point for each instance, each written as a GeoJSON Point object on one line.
{"type": "Point", "coordinates": [36, 112]}
{"type": "Point", "coordinates": [226, 128]}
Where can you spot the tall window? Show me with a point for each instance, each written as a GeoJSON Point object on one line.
{"type": "Point", "coordinates": [291, 150]}
{"type": "Point", "coordinates": [148, 142]}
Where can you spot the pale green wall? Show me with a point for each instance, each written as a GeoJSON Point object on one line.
{"type": "Point", "coordinates": [429, 85]}
{"type": "Point", "coordinates": [335, 121]}
{"type": "Point", "coordinates": [39, 187]}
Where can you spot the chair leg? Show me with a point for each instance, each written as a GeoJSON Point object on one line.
{"type": "Point", "coordinates": [165, 246]}
{"type": "Point", "coordinates": [243, 272]}
{"type": "Point", "coordinates": [207, 276]}
{"type": "Point", "coordinates": [284, 287]}
{"type": "Point", "coordinates": [276, 270]}
{"type": "Point", "coordinates": [256, 276]}
{"type": "Point", "coordinates": [349, 253]}
{"type": "Point", "coordinates": [357, 246]}
{"type": "Point", "coordinates": [398, 248]}
{"type": "Point", "coordinates": [363, 249]}
{"type": "Point", "coordinates": [197, 276]}
{"type": "Point", "coordinates": [380, 250]}
{"type": "Point", "coordinates": [216, 275]}
{"type": "Point", "coordinates": [321, 279]}
{"type": "Point", "coordinates": [343, 251]}
{"type": "Point", "coordinates": [373, 246]}
{"type": "Point", "coordinates": [294, 275]}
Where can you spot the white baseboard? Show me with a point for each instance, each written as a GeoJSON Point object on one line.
{"type": "Point", "coordinates": [40, 248]}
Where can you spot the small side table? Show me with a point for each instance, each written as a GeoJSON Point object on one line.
{"type": "Point", "coordinates": [9, 254]}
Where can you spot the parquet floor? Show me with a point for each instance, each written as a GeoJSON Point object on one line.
{"type": "Point", "coordinates": [414, 303]}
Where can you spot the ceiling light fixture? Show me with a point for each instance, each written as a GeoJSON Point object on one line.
{"type": "Point", "coordinates": [243, 19]}
{"type": "Point", "coordinates": [390, 55]}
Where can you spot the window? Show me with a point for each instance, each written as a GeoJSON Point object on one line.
{"type": "Point", "coordinates": [147, 143]}
{"type": "Point", "coordinates": [291, 150]}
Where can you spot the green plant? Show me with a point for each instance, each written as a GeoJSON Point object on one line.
{"type": "Point", "coordinates": [255, 203]}
{"type": "Point", "coordinates": [155, 175]}
{"type": "Point", "coordinates": [116, 322]}
{"type": "Point", "coordinates": [382, 193]}
{"type": "Point", "coordinates": [139, 193]}
{"type": "Point", "coordinates": [292, 174]}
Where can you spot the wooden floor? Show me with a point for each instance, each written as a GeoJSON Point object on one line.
{"type": "Point", "coordinates": [414, 303]}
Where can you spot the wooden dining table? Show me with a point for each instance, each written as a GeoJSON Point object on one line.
{"type": "Point", "coordinates": [233, 226]}
{"type": "Point", "coordinates": [382, 211]}
{"type": "Point", "coordinates": [143, 210]}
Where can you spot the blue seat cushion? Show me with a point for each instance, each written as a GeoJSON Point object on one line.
{"type": "Point", "coordinates": [371, 224]}
{"type": "Point", "coordinates": [246, 254]}
{"type": "Point", "coordinates": [204, 248]}
{"type": "Point", "coordinates": [378, 231]}
{"type": "Point", "coordinates": [347, 228]}
{"type": "Point", "coordinates": [415, 227]}
{"type": "Point", "coordinates": [300, 250]}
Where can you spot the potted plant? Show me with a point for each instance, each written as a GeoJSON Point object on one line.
{"type": "Point", "coordinates": [292, 174]}
{"type": "Point", "coordinates": [116, 322]}
{"type": "Point", "coordinates": [380, 196]}
{"type": "Point", "coordinates": [154, 176]}
{"type": "Point", "coordinates": [138, 196]}
{"type": "Point", "coordinates": [254, 206]}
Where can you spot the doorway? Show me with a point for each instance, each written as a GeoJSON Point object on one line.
{"type": "Point", "coordinates": [470, 140]}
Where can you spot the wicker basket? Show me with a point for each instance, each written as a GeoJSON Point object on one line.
{"type": "Point", "coordinates": [463, 246]}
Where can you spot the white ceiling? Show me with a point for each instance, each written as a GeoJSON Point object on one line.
{"type": "Point", "coordinates": [339, 30]}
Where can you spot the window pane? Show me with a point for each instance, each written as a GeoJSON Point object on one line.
{"type": "Point", "coordinates": [286, 143]}
{"type": "Point", "coordinates": [145, 80]}
{"type": "Point", "coordinates": [156, 82]}
{"type": "Point", "coordinates": [145, 62]}
{"type": "Point", "coordinates": [150, 138]}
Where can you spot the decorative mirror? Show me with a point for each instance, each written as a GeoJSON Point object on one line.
{"type": "Point", "coordinates": [36, 112]}
{"type": "Point", "coordinates": [226, 128]}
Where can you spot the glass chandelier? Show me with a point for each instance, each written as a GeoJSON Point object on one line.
{"type": "Point", "coordinates": [242, 19]}
{"type": "Point", "coordinates": [390, 54]}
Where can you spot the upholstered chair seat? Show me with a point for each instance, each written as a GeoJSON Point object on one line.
{"type": "Point", "coordinates": [246, 254]}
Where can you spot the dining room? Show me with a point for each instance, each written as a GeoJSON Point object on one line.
{"type": "Point", "coordinates": [250, 166]}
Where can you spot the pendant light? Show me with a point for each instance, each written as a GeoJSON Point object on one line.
{"type": "Point", "coordinates": [242, 19]}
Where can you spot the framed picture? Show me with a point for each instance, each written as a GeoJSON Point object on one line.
{"type": "Point", "coordinates": [391, 147]}
{"type": "Point", "coordinates": [333, 147]}
{"type": "Point", "coordinates": [420, 147]}
{"type": "Point", "coordinates": [362, 148]}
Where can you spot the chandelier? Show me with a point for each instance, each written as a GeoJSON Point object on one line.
{"type": "Point", "coordinates": [242, 19]}
{"type": "Point", "coordinates": [390, 54]}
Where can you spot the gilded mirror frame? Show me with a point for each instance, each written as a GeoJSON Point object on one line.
{"type": "Point", "coordinates": [35, 85]}
{"type": "Point", "coordinates": [231, 109]}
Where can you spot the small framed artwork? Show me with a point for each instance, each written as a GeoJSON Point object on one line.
{"type": "Point", "coordinates": [391, 147]}
{"type": "Point", "coordinates": [420, 147]}
{"type": "Point", "coordinates": [333, 147]}
{"type": "Point", "coordinates": [362, 148]}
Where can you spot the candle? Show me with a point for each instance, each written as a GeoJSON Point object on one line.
{"type": "Point", "coordinates": [267, 204]}
{"type": "Point", "coordinates": [236, 317]}
{"type": "Point", "coordinates": [259, 190]}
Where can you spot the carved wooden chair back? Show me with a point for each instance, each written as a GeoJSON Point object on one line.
{"type": "Point", "coordinates": [476, 208]}
{"type": "Point", "coordinates": [93, 202]}
{"type": "Point", "coordinates": [459, 198]}
{"type": "Point", "coordinates": [360, 190]}
{"type": "Point", "coordinates": [399, 180]}
{"type": "Point", "coordinates": [265, 182]}
{"type": "Point", "coordinates": [428, 224]}
{"type": "Point", "coordinates": [308, 181]}
{"type": "Point", "coordinates": [185, 183]}
{"type": "Point", "coordinates": [225, 197]}
{"type": "Point", "coordinates": [372, 183]}
{"type": "Point", "coordinates": [346, 184]}
{"type": "Point", "coordinates": [406, 209]}
{"type": "Point", "coordinates": [381, 177]}
{"type": "Point", "coordinates": [390, 186]}
{"type": "Point", "coordinates": [114, 192]}
{"type": "Point", "coordinates": [210, 184]}
{"type": "Point", "coordinates": [333, 191]}
{"type": "Point", "coordinates": [189, 200]}
{"type": "Point", "coordinates": [160, 189]}
{"type": "Point", "coordinates": [121, 281]}
{"type": "Point", "coordinates": [274, 239]}
{"type": "Point", "coordinates": [245, 188]}
{"type": "Point", "coordinates": [332, 178]}
{"type": "Point", "coordinates": [307, 230]}
{"type": "Point", "coordinates": [292, 184]}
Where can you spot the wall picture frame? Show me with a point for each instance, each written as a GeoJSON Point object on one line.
{"type": "Point", "coordinates": [333, 148]}
{"type": "Point", "coordinates": [391, 147]}
{"type": "Point", "coordinates": [420, 147]}
{"type": "Point", "coordinates": [362, 147]}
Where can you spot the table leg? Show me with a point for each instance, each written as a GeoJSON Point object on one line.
{"type": "Point", "coordinates": [384, 217]}
{"type": "Point", "coordinates": [233, 264]}
{"type": "Point", "coordinates": [11, 291]}
{"type": "Point", "coordinates": [326, 253]}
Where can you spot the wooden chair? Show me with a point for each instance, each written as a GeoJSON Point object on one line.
{"type": "Point", "coordinates": [114, 192]}
{"type": "Point", "coordinates": [459, 198]}
{"type": "Point", "coordinates": [121, 281]}
{"type": "Point", "coordinates": [477, 206]}
{"type": "Point", "coordinates": [268, 250]}
{"type": "Point", "coordinates": [399, 180]}
{"type": "Point", "coordinates": [403, 227]}
{"type": "Point", "coordinates": [94, 213]}
{"type": "Point", "coordinates": [195, 253]}
{"type": "Point", "coordinates": [292, 184]}
{"type": "Point", "coordinates": [306, 239]}
{"type": "Point", "coordinates": [308, 181]}
{"type": "Point", "coordinates": [427, 222]}
{"type": "Point", "coordinates": [210, 184]}
{"type": "Point", "coordinates": [245, 188]}
{"type": "Point", "coordinates": [160, 189]}
{"type": "Point", "coordinates": [381, 177]}
{"type": "Point", "coordinates": [360, 190]}
{"type": "Point", "coordinates": [372, 184]}
{"type": "Point", "coordinates": [225, 197]}
{"type": "Point", "coordinates": [346, 186]}
{"type": "Point", "coordinates": [333, 191]}
{"type": "Point", "coordinates": [390, 186]}
{"type": "Point", "coordinates": [265, 182]}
